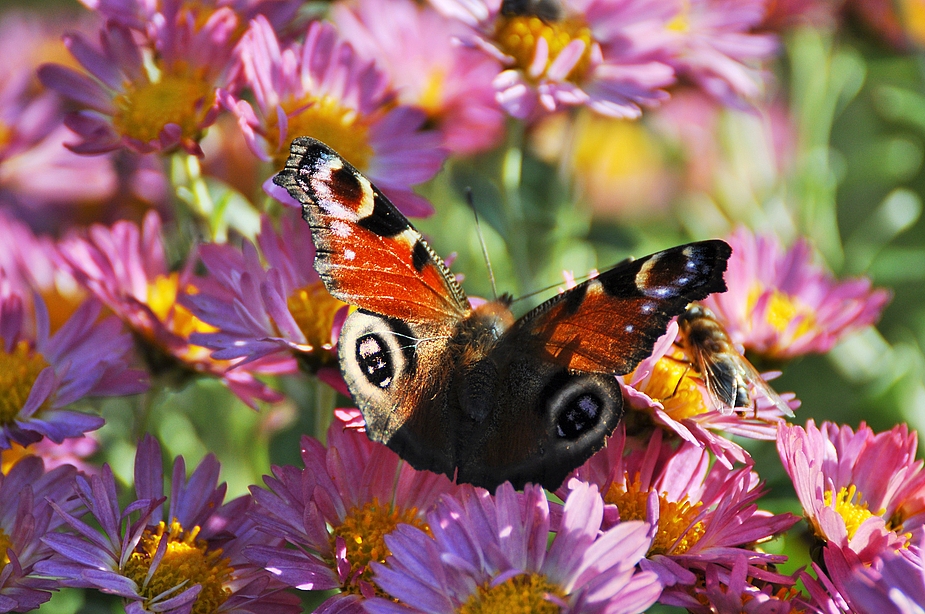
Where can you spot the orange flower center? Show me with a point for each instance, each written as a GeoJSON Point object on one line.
{"type": "Point", "coordinates": [326, 120]}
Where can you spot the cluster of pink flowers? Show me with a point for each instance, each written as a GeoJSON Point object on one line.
{"type": "Point", "coordinates": [134, 290]}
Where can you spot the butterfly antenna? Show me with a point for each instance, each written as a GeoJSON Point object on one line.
{"type": "Point", "coordinates": [478, 229]}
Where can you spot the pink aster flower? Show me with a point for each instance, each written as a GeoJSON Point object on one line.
{"type": "Point", "coordinates": [860, 491]}
{"type": "Point", "coordinates": [126, 268]}
{"type": "Point", "coordinates": [781, 305]}
{"type": "Point", "coordinates": [279, 314]}
{"type": "Point", "coordinates": [336, 511]}
{"type": "Point", "coordinates": [610, 56]}
{"type": "Point", "coordinates": [701, 514]}
{"type": "Point", "coordinates": [665, 386]}
{"type": "Point", "coordinates": [415, 46]}
{"type": "Point", "coordinates": [45, 373]}
{"type": "Point", "coordinates": [717, 50]}
{"type": "Point", "coordinates": [186, 558]}
{"type": "Point", "coordinates": [26, 516]}
{"type": "Point", "coordinates": [160, 105]}
{"type": "Point", "coordinates": [321, 88]}
{"type": "Point", "coordinates": [490, 554]}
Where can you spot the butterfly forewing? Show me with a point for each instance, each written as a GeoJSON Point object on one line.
{"type": "Point", "coordinates": [608, 324]}
{"type": "Point", "coordinates": [368, 254]}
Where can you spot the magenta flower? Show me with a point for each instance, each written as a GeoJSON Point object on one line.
{"type": "Point", "coordinates": [321, 88]}
{"type": "Point", "coordinates": [26, 516]}
{"type": "Point", "coordinates": [609, 56]}
{"type": "Point", "coordinates": [276, 315]}
{"type": "Point", "coordinates": [860, 491]}
{"type": "Point", "coordinates": [188, 558]}
{"type": "Point", "coordinates": [716, 49]}
{"type": "Point", "coordinates": [700, 514]}
{"type": "Point", "coordinates": [126, 268]}
{"type": "Point", "coordinates": [158, 106]}
{"type": "Point", "coordinates": [336, 511]}
{"type": "Point", "coordinates": [415, 46]}
{"type": "Point", "coordinates": [490, 554]}
{"type": "Point", "coordinates": [45, 373]}
{"type": "Point", "coordinates": [664, 386]}
{"type": "Point", "coordinates": [781, 305]}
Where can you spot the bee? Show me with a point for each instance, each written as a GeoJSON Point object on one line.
{"type": "Point", "coordinates": [732, 383]}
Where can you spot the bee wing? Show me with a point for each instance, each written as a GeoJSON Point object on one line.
{"type": "Point", "coordinates": [762, 388]}
{"type": "Point", "coordinates": [721, 378]}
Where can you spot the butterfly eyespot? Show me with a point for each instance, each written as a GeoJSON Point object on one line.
{"type": "Point", "coordinates": [580, 415]}
{"type": "Point", "coordinates": [374, 361]}
{"type": "Point", "coordinates": [580, 403]}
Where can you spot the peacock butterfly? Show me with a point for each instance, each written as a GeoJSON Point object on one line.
{"type": "Point", "coordinates": [471, 392]}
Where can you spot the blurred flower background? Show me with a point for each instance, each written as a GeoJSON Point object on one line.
{"type": "Point", "coordinates": [158, 304]}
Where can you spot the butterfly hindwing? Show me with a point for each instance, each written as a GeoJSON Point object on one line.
{"type": "Point", "coordinates": [368, 254]}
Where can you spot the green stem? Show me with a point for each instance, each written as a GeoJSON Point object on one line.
{"type": "Point", "coordinates": [325, 399]}
{"type": "Point", "coordinates": [512, 204]}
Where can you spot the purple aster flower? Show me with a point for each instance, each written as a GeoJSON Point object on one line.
{"type": "Point", "coordinates": [860, 491]}
{"type": "Point", "coordinates": [72, 451]}
{"type": "Point", "coordinates": [33, 264]}
{"type": "Point", "coordinates": [126, 268]}
{"type": "Point", "coordinates": [278, 314]}
{"type": "Point", "coordinates": [144, 15]}
{"type": "Point", "coordinates": [32, 136]}
{"type": "Point", "coordinates": [894, 584]}
{"type": "Point", "coordinates": [488, 553]}
{"type": "Point", "coordinates": [321, 88]}
{"type": "Point", "coordinates": [25, 517]}
{"type": "Point", "coordinates": [44, 373]}
{"type": "Point", "coordinates": [415, 46]}
{"type": "Point", "coordinates": [665, 386]}
{"type": "Point", "coordinates": [701, 514]}
{"type": "Point", "coordinates": [187, 558]}
{"type": "Point", "coordinates": [726, 590]}
{"type": "Point", "coordinates": [157, 105]}
{"type": "Point", "coordinates": [716, 49]}
{"type": "Point", "coordinates": [608, 55]}
{"type": "Point", "coordinates": [781, 305]}
{"type": "Point", "coordinates": [335, 512]}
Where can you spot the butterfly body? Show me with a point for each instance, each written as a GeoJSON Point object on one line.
{"type": "Point", "coordinates": [473, 392]}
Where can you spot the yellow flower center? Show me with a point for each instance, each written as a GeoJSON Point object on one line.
{"type": "Point", "coordinates": [61, 303]}
{"type": "Point", "coordinates": [677, 531]}
{"type": "Point", "coordinates": [517, 36]}
{"type": "Point", "coordinates": [6, 136]}
{"type": "Point", "coordinates": [913, 19]}
{"type": "Point", "coordinates": [326, 120]}
{"type": "Point", "coordinates": [18, 371]}
{"type": "Point", "coordinates": [431, 99]}
{"type": "Point", "coordinates": [681, 21]}
{"type": "Point", "coordinates": [783, 309]}
{"type": "Point", "coordinates": [364, 529]}
{"type": "Point", "coordinates": [10, 457]}
{"type": "Point", "coordinates": [313, 309]}
{"type": "Point", "coordinates": [674, 384]}
{"type": "Point", "coordinates": [186, 562]}
{"type": "Point", "coordinates": [5, 543]}
{"type": "Point", "coordinates": [848, 504]}
{"type": "Point", "coordinates": [181, 98]}
{"type": "Point", "coordinates": [523, 594]}
{"type": "Point", "coordinates": [162, 299]}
